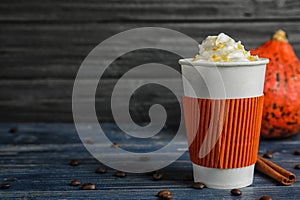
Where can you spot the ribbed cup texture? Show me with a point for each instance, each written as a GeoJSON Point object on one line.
{"type": "Point", "coordinates": [229, 127]}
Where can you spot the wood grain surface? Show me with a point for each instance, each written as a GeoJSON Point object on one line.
{"type": "Point", "coordinates": [42, 44]}
{"type": "Point", "coordinates": [34, 160]}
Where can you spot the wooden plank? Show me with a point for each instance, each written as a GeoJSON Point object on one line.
{"type": "Point", "coordinates": [25, 116]}
{"type": "Point", "coordinates": [58, 89]}
{"type": "Point", "coordinates": [61, 111]}
{"type": "Point", "coordinates": [132, 10]}
{"type": "Point", "coordinates": [51, 37]}
{"type": "Point", "coordinates": [26, 100]}
{"type": "Point", "coordinates": [57, 50]}
{"type": "Point", "coordinates": [64, 70]}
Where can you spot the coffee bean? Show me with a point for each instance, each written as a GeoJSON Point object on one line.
{"type": "Point", "coordinates": [74, 163]}
{"type": "Point", "coordinates": [265, 198]}
{"type": "Point", "coordinates": [160, 193]}
{"type": "Point", "coordinates": [13, 130]}
{"type": "Point", "coordinates": [268, 155]}
{"type": "Point", "coordinates": [157, 176]}
{"type": "Point", "coordinates": [199, 185]}
{"type": "Point", "coordinates": [115, 145]}
{"type": "Point", "coordinates": [297, 166]}
{"type": "Point", "coordinates": [120, 174]}
{"type": "Point", "coordinates": [164, 194]}
{"type": "Point", "coordinates": [297, 152]}
{"type": "Point", "coordinates": [5, 186]}
{"type": "Point", "coordinates": [74, 183]}
{"type": "Point", "coordinates": [236, 192]}
{"type": "Point", "coordinates": [100, 170]}
{"type": "Point", "coordinates": [88, 186]}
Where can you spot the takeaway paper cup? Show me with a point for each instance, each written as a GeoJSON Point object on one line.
{"type": "Point", "coordinates": [223, 105]}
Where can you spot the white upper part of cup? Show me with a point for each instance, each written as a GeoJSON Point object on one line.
{"type": "Point", "coordinates": [228, 80]}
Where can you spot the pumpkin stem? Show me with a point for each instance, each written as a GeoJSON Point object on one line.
{"type": "Point", "coordinates": [280, 36]}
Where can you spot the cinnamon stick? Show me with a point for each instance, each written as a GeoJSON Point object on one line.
{"type": "Point", "coordinates": [274, 171]}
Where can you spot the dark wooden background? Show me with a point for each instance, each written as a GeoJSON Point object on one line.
{"type": "Point", "coordinates": [42, 44]}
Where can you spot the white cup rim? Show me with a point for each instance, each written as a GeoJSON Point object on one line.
{"type": "Point", "coordinates": [204, 63]}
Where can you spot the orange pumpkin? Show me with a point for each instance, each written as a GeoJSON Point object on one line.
{"type": "Point", "coordinates": [281, 115]}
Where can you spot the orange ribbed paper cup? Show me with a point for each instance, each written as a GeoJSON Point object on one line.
{"type": "Point", "coordinates": [223, 105]}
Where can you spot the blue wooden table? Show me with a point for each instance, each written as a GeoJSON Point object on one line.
{"type": "Point", "coordinates": [34, 160]}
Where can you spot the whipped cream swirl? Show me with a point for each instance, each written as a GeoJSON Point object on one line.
{"type": "Point", "coordinates": [223, 48]}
